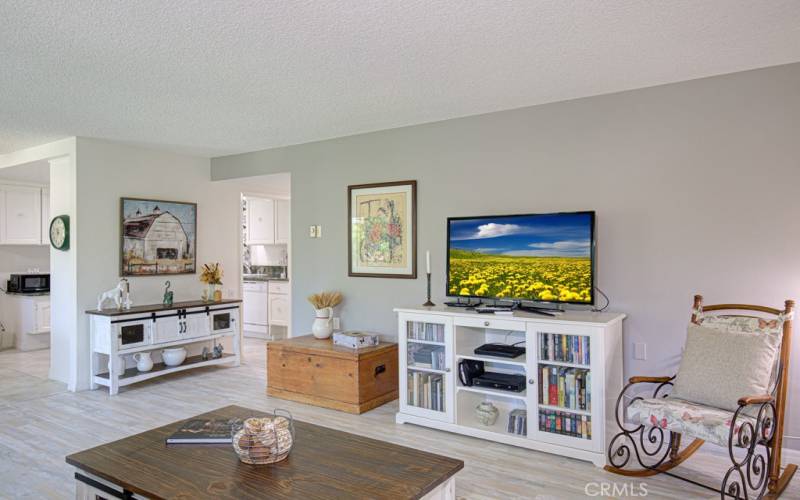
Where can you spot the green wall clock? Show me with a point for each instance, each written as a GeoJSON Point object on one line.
{"type": "Point", "coordinates": [59, 232]}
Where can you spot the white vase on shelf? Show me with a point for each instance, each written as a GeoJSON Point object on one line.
{"type": "Point", "coordinates": [486, 413]}
{"type": "Point", "coordinates": [144, 363]}
{"type": "Point", "coordinates": [323, 323]}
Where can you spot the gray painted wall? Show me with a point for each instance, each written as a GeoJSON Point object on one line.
{"type": "Point", "coordinates": [694, 184]}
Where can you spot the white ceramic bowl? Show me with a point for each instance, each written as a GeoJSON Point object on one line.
{"type": "Point", "coordinates": [174, 356]}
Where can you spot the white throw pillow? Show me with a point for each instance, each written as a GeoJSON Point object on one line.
{"type": "Point", "coordinates": [719, 367]}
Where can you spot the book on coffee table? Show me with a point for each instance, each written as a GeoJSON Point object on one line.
{"type": "Point", "coordinates": [199, 431]}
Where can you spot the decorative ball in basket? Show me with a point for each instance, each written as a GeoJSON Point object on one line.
{"type": "Point", "coordinates": [264, 440]}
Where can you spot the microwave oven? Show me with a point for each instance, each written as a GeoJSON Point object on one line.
{"type": "Point", "coordinates": [29, 283]}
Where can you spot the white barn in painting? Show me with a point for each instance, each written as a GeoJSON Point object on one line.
{"type": "Point", "coordinates": [157, 236]}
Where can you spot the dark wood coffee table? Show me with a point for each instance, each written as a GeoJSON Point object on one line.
{"type": "Point", "coordinates": [324, 463]}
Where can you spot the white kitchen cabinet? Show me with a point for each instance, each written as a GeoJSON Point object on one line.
{"type": "Point", "coordinates": [45, 217]}
{"type": "Point", "coordinates": [279, 310]}
{"type": "Point", "coordinates": [260, 221]}
{"type": "Point", "coordinates": [20, 215]}
{"type": "Point", "coordinates": [255, 312]}
{"type": "Point", "coordinates": [279, 305]}
{"type": "Point", "coordinates": [282, 227]}
{"type": "Point", "coordinates": [29, 320]}
{"type": "Point", "coordinates": [42, 313]}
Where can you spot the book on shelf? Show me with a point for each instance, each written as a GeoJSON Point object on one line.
{"type": "Point", "coordinates": [518, 422]}
{"type": "Point", "coordinates": [426, 390]}
{"type": "Point", "coordinates": [568, 424]}
{"type": "Point", "coordinates": [426, 356]}
{"type": "Point", "coordinates": [565, 387]}
{"type": "Point", "coordinates": [430, 332]}
{"type": "Point", "coordinates": [200, 431]}
{"type": "Point", "coordinates": [564, 348]}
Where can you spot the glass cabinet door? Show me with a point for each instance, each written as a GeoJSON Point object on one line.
{"type": "Point", "coordinates": [133, 334]}
{"type": "Point", "coordinates": [426, 386]}
{"type": "Point", "coordinates": [566, 384]}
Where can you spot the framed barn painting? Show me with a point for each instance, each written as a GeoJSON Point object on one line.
{"type": "Point", "coordinates": [382, 232]}
{"type": "Point", "coordinates": [158, 237]}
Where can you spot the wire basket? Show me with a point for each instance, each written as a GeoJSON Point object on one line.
{"type": "Point", "coordinates": [264, 440]}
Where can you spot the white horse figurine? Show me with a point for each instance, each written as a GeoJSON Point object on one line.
{"type": "Point", "coordinates": [114, 294]}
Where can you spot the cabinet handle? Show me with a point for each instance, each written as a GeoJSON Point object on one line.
{"type": "Point", "coordinates": [447, 369]}
{"type": "Point", "coordinates": [485, 323]}
{"type": "Point", "coordinates": [531, 381]}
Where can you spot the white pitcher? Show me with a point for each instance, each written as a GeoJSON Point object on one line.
{"type": "Point", "coordinates": [323, 323]}
{"type": "Point", "coordinates": [144, 363]}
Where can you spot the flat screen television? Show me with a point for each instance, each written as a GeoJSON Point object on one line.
{"type": "Point", "coordinates": [533, 257]}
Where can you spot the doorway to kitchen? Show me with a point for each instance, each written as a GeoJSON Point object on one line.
{"type": "Point", "coordinates": [266, 248]}
{"type": "Point", "coordinates": [25, 281]}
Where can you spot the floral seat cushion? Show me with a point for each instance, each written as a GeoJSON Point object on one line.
{"type": "Point", "coordinates": [686, 418]}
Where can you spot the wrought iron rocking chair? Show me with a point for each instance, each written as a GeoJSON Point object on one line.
{"type": "Point", "coordinates": [755, 429]}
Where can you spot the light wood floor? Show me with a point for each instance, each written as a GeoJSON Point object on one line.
{"type": "Point", "coordinates": [41, 423]}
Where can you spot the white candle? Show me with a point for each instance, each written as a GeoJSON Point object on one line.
{"type": "Point", "coordinates": [428, 261]}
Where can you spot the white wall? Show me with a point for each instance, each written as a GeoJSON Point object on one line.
{"type": "Point", "coordinates": [694, 184]}
{"type": "Point", "coordinates": [20, 258]}
{"type": "Point", "coordinates": [64, 274]}
{"type": "Point", "coordinates": [108, 171]}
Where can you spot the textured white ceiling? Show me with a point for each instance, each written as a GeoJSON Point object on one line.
{"type": "Point", "coordinates": [213, 77]}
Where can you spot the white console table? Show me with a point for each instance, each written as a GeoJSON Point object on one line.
{"type": "Point", "coordinates": [118, 333]}
{"type": "Point", "coordinates": [574, 345]}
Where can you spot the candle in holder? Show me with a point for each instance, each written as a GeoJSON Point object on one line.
{"type": "Point", "coordinates": [428, 275]}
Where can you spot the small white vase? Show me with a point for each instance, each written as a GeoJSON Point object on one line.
{"type": "Point", "coordinates": [323, 323]}
{"type": "Point", "coordinates": [144, 363]}
{"type": "Point", "coordinates": [486, 413]}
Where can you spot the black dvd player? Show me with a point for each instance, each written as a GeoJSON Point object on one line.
{"type": "Point", "coordinates": [500, 350]}
{"type": "Point", "coordinates": [501, 381]}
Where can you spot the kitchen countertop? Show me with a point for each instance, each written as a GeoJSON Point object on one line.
{"type": "Point", "coordinates": [260, 279]}
{"type": "Point", "coordinates": [20, 294]}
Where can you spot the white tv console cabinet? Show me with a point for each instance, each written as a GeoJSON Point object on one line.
{"type": "Point", "coordinates": [118, 333]}
{"type": "Point", "coordinates": [433, 340]}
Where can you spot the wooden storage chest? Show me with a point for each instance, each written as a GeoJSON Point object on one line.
{"type": "Point", "coordinates": [316, 372]}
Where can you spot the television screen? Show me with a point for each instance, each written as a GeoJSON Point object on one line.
{"type": "Point", "coordinates": [545, 257]}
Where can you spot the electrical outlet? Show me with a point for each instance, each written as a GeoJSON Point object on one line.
{"type": "Point", "coordinates": [312, 231]}
{"type": "Point", "coordinates": [639, 350]}
{"type": "Point", "coordinates": [336, 324]}
{"type": "Point", "coordinates": [319, 231]}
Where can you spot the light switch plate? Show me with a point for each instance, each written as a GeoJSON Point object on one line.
{"type": "Point", "coordinates": [312, 231]}
{"type": "Point", "coordinates": [336, 324]}
{"type": "Point", "coordinates": [319, 231]}
{"type": "Point", "coordinates": [639, 350]}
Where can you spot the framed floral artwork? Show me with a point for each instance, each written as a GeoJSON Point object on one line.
{"type": "Point", "coordinates": [382, 231]}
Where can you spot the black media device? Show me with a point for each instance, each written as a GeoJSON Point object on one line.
{"type": "Point", "coordinates": [501, 381]}
{"type": "Point", "coordinates": [458, 303]}
{"type": "Point", "coordinates": [468, 370]}
{"type": "Point", "coordinates": [500, 350]}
